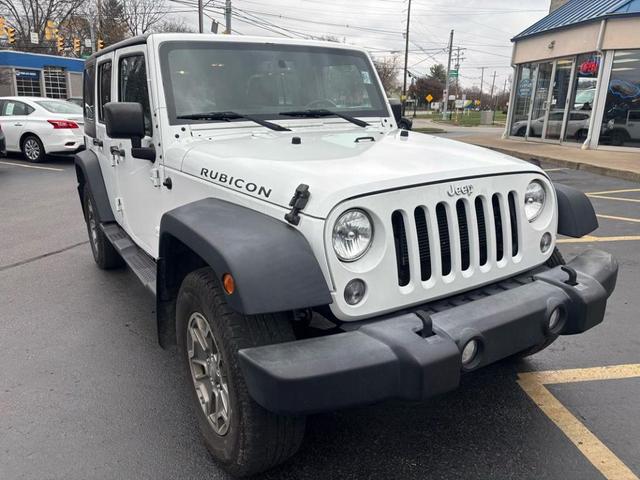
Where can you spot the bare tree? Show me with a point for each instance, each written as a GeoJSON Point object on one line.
{"type": "Point", "coordinates": [112, 27]}
{"type": "Point", "coordinates": [388, 73]}
{"type": "Point", "coordinates": [142, 16]}
{"type": "Point", "coordinates": [29, 16]}
{"type": "Point", "coordinates": [171, 26]}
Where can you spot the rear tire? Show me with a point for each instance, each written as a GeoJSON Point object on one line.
{"type": "Point", "coordinates": [241, 435]}
{"type": "Point", "coordinates": [556, 259]}
{"type": "Point", "coordinates": [104, 254]}
{"type": "Point", "coordinates": [32, 149]}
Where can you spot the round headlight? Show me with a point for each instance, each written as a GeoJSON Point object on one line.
{"type": "Point", "coordinates": [534, 199]}
{"type": "Point", "coordinates": [352, 235]}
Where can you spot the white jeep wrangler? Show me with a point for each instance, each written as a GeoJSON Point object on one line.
{"type": "Point", "coordinates": [306, 254]}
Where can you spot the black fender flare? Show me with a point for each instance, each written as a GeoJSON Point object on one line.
{"type": "Point", "coordinates": [271, 262]}
{"type": "Point", "coordinates": [88, 171]}
{"type": "Point", "coordinates": [576, 216]}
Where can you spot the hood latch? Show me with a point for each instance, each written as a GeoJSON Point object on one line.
{"type": "Point", "coordinates": [298, 202]}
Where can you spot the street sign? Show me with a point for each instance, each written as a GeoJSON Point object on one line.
{"type": "Point", "coordinates": [428, 98]}
{"type": "Point", "coordinates": [34, 38]}
{"type": "Point", "coordinates": [452, 97]}
{"type": "Point", "coordinates": [87, 42]}
{"type": "Point", "coordinates": [459, 103]}
{"type": "Point", "coordinates": [453, 73]}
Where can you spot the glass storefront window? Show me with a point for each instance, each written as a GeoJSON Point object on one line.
{"type": "Point", "coordinates": [584, 91]}
{"type": "Point", "coordinates": [524, 89]}
{"type": "Point", "coordinates": [621, 119]}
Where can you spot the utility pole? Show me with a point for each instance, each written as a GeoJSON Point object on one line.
{"type": "Point", "coordinates": [481, 84]}
{"type": "Point", "coordinates": [406, 58]}
{"type": "Point", "coordinates": [200, 17]}
{"type": "Point", "coordinates": [227, 16]}
{"type": "Point", "coordinates": [446, 84]}
{"type": "Point", "coordinates": [491, 98]}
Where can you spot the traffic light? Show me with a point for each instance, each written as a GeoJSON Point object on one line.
{"type": "Point", "coordinates": [100, 44]}
{"type": "Point", "coordinates": [50, 31]}
{"type": "Point", "coordinates": [11, 35]}
{"type": "Point", "coordinates": [60, 42]}
{"type": "Point", "coordinates": [76, 45]}
{"type": "Point", "coordinates": [1, 25]}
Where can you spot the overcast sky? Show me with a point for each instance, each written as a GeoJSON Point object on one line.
{"type": "Point", "coordinates": [482, 27]}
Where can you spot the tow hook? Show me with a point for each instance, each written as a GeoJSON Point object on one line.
{"type": "Point", "coordinates": [427, 323]}
{"type": "Point", "coordinates": [573, 275]}
{"type": "Point", "coordinates": [298, 202]}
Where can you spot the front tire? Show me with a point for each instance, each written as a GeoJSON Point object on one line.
{"type": "Point", "coordinates": [241, 435]}
{"type": "Point", "coordinates": [32, 149]}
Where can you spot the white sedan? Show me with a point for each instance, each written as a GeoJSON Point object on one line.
{"type": "Point", "coordinates": [37, 126]}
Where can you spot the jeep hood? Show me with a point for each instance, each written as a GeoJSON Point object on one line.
{"type": "Point", "coordinates": [336, 165]}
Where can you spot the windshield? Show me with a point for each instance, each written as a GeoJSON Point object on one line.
{"type": "Point", "coordinates": [59, 106]}
{"type": "Point", "coordinates": [265, 80]}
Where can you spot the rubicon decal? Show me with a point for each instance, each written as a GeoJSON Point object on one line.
{"type": "Point", "coordinates": [238, 183]}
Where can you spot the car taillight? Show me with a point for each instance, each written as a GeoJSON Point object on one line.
{"type": "Point", "coordinates": [63, 124]}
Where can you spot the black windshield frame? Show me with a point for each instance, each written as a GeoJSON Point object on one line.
{"type": "Point", "coordinates": [167, 47]}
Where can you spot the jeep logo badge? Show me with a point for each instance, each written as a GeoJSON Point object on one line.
{"type": "Point", "coordinates": [460, 190]}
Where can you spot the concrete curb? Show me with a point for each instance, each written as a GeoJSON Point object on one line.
{"type": "Point", "coordinates": [587, 167]}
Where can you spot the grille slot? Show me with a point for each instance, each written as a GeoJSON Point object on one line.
{"type": "Point", "coordinates": [482, 230]}
{"type": "Point", "coordinates": [513, 215]}
{"type": "Point", "coordinates": [445, 241]}
{"type": "Point", "coordinates": [423, 243]}
{"type": "Point", "coordinates": [402, 250]}
{"type": "Point", "coordinates": [497, 220]}
{"type": "Point", "coordinates": [463, 230]}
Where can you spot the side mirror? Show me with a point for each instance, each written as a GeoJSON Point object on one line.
{"type": "Point", "coordinates": [126, 120]}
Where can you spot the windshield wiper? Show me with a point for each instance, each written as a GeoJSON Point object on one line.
{"type": "Point", "coordinates": [228, 116]}
{"type": "Point", "coordinates": [322, 112]}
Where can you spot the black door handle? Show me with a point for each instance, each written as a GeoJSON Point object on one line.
{"type": "Point", "coordinates": [97, 142]}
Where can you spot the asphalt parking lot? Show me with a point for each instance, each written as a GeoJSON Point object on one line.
{"type": "Point", "coordinates": [86, 392]}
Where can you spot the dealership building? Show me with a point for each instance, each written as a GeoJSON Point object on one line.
{"type": "Point", "coordinates": [577, 76]}
{"type": "Point", "coordinates": [30, 74]}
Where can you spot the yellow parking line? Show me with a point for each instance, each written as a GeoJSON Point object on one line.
{"type": "Point", "coordinates": [615, 191]}
{"type": "Point", "coordinates": [619, 199]}
{"type": "Point", "coordinates": [33, 166]}
{"type": "Point", "coordinates": [533, 383]}
{"type": "Point", "coordinates": [590, 239]}
{"type": "Point", "coordinates": [623, 219]}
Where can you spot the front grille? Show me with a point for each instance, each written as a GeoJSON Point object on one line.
{"type": "Point", "coordinates": [455, 236]}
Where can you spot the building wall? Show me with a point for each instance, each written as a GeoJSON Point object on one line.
{"type": "Point", "coordinates": [566, 42]}
{"type": "Point", "coordinates": [74, 84]}
{"type": "Point", "coordinates": [6, 82]}
{"type": "Point", "coordinates": [622, 33]}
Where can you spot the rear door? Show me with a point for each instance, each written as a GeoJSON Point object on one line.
{"type": "Point", "coordinates": [101, 144]}
{"type": "Point", "coordinates": [633, 124]}
{"type": "Point", "coordinates": [13, 118]}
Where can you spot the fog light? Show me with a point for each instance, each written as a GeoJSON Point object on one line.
{"type": "Point", "coordinates": [469, 352]}
{"type": "Point", "coordinates": [545, 242]}
{"type": "Point", "coordinates": [554, 319]}
{"type": "Point", "coordinates": [354, 291]}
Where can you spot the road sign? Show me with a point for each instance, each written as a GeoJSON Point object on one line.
{"type": "Point", "coordinates": [34, 38]}
{"type": "Point", "coordinates": [453, 73]}
{"type": "Point", "coordinates": [428, 98]}
{"type": "Point", "coordinates": [87, 42]}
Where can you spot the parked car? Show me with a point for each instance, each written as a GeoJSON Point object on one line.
{"type": "Point", "coordinates": [307, 254]}
{"type": "Point", "coordinates": [577, 127]}
{"type": "Point", "coordinates": [37, 126]}
{"type": "Point", "coordinates": [617, 132]}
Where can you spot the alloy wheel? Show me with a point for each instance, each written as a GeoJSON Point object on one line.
{"type": "Point", "coordinates": [208, 373]}
{"type": "Point", "coordinates": [31, 149]}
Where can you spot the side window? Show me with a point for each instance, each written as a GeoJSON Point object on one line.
{"type": "Point", "coordinates": [634, 116]}
{"type": "Point", "coordinates": [13, 108]}
{"type": "Point", "coordinates": [2, 103]}
{"type": "Point", "coordinates": [132, 86]}
{"type": "Point", "coordinates": [104, 88]}
{"type": "Point", "coordinates": [88, 100]}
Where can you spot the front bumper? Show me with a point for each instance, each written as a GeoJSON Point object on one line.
{"type": "Point", "coordinates": [393, 358]}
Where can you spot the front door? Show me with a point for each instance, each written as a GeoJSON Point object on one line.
{"type": "Point", "coordinates": [540, 105]}
{"type": "Point", "coordinates": [138, 180]}
{"type": "Point", "coordinates": [13, 117]}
